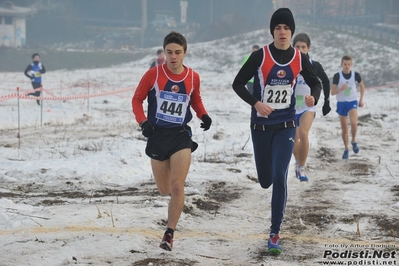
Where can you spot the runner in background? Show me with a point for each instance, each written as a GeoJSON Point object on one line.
{"type": "Point", "coordinates": [344, 86]}
{"type": "Point", "coordinates": [160, 58]}
{"type": "Point", "coordinates": [34, 72]}
{"type": "Point", "coordinates": [171, 89]}
{"type": "Point", "coordinates": [250, 84]}
{"type": "Point", "coordinates": [275, 67]}
{"type": "Point", "coordinates": [305, 114]}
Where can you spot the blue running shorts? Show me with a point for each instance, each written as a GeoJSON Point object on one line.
{"type": "Point", "coordinates": [343, 108]}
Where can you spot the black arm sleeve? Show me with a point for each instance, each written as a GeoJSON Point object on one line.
{"type": "Point", "coordinates": [324, 79]}
{"type": "Point", "coordinates": [247, 71]}
{"type": "Point", "coordinates": [27, 69]}
{"type": "Point", "coordinates": [336, 79]}
{"type": "Point", "coordinates": [43, 70]}
{"type": "Point", "coordinates": [310, 78]}
{"type": "Point", "coordinates": [358, 78]}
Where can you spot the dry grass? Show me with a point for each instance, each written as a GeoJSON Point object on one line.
{"type": "Point", "coordinates": [389, 226]}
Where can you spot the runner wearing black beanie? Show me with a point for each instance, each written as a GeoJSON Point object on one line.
{"type": "Point", "coordinates": [282, 16]}
{"type": "Point", "coordinates": [274, 68]}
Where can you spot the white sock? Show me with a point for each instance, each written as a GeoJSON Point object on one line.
{"type": "Point", "coordinates": [301, 170]}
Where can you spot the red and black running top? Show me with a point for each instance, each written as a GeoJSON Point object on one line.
{"type": "Point", "coordinates": [169, 97]}
{"type": "Point", "coordinates": [274, 73]}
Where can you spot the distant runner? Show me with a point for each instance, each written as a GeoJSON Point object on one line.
{"type": "Point", "coordinates": [344, 86]}
{"type": "Point", "coordinates": [160, 58]}
{"type": "Point", "coordinates": [34, 72]}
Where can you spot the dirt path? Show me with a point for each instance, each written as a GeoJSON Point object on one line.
{"type": "Point", "coordinates": [225, 222]}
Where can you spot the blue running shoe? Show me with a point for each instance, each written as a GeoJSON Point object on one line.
{"type": "Point", "coordinates": [355, 147]}
{"type": "Point", "coordinates": [273, 244]}
{"type": "Point", "coordinates": [301, 174]}
{"type": "Point", "coordinates": [345, 155]}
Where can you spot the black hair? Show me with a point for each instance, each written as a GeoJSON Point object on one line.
{"type": "Point", "coordinates": [175, 37]}
{"type": "Point", "coordinates": [35, 54]}
{"type": "Point", "coordinates": [302, 37]}
{"type": "Point", "coordinates": [159, 51]}
{"type": "Point", "coordinates": [257, 47]}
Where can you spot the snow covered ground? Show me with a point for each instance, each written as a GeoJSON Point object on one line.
{"type": "Point", "coordinates": [79, 190]}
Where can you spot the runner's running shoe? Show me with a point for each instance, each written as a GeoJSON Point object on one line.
{"type": "Point", "coordinates": [296, 172]}
{"type": "Point", "coordinates": [301, 175]}
{"type": "Point", "coordinates": [345, 155]}
{"type": "Point", "coordinates": [273, 244]}
{"type": "Point", "coordinates": [355, 147]}
{"type": "Point", "coordinates": [167, 242]}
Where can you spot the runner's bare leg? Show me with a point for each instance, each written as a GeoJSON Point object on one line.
{"type": "Point", "coordinates": [344, 127]}
{"type": "Point", "coordinates": [303, 134]}
{"type": "Point", "coordinates": [353, 115]}
{"type": "Point", "coordinates": [170, 176]}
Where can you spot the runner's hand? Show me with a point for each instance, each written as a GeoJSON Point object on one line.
{"type": "Point", "coordinates": [207, 121]}
{"type": "Point", "coordinates": [263, 109]}
{"type": "Point", "coordinates": [147, 129]}
{"type": "Point", "coordinates": [309, 100]}
{"type": "Point", "coordinates": [326, 107]}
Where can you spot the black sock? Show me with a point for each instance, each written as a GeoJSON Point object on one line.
{"type": "Point", "coordinates": [169, 231]}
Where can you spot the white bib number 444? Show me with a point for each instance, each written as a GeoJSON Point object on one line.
{"type": "Point", "coordinates": [172, 107]}
{"type": "Point", "coordinates": [277, 97]}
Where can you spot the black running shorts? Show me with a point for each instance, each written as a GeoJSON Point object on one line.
{"type": "Point", "coordinates": [166, 141]}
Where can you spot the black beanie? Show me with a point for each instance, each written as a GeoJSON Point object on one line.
{"type": "Point", "coordinates": [282, 16]}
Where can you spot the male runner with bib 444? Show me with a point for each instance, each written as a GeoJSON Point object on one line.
{"type": "Point", "coordinates": [274, 68]}
{"type": "Point", "coordinates": [171, 88]}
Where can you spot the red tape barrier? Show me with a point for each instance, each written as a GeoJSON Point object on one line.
{"type": "Point", "coordinates": [383, 86]}
{"type": "Point", "coordinates": [70, 86]}
{"type": "Point", "coordinates": [8, 97]}
{"type": "Point", "coordinates": [15, 95]}
{"type": "Point", "coordinates": [81, 96]}
{"type": "Point", "coordinates": [54, 97]}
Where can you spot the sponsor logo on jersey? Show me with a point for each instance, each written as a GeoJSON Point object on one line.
{"type": "Point", "coordinates": [175, 88]}
{"type": "Point", "coordinates": [281, 73]}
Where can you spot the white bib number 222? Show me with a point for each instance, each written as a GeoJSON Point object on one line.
{"type": "Point", "coordinates": [278, 97]}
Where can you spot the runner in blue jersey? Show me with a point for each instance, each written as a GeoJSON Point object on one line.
{"type": "Point", "coordinates": [34, 72]}
{"type": "Point", "coordinates": [275, 68]}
